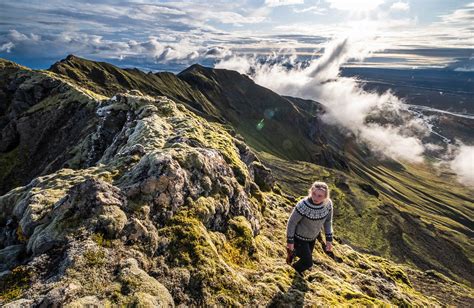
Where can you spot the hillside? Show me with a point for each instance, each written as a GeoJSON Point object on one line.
{"type": "Point", "coordinates": [121, 187]}
{"type": "Point", "coordinates": [291, 128]}
{"type": "Point", "coordinates": [222, 95]}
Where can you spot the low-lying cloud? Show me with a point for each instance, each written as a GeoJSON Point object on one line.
{"type": "Point", "coordinates": [348, 105]}
{"type": "Point", "coordinates": [399, 135]}
{"type": "Point", "coordinates": [462, 163]}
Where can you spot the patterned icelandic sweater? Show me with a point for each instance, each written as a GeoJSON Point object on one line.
{"type": "Point", "coordinates": [307, 219]}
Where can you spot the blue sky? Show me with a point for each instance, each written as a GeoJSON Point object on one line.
{"type": "Point", "coordinates": [170, 35]}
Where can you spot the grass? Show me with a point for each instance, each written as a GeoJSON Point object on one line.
{"type": "Point", "coordinates": [410, 200]}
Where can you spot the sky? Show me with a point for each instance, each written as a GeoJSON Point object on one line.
{"type": "Point", "coordinates": [169, 35]}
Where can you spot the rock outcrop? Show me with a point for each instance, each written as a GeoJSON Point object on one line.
{"type": "Point", "coordinates": [160, 162]}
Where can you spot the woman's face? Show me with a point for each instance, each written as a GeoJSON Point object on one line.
{"type": "Point", "coordinates": [318, 195]}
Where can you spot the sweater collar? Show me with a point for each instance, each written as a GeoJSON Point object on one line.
{"type": "Point", "coordinates": [310, 201]}
{"type": "Point", "coordinates": [311, 205]}
{"type": "Point", "coordinates": [312, 211]}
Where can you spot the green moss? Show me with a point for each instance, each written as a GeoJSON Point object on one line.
{"type": "Point", "coordinates": [370, 290]}
{"type": "Point", "coordinates": [398, 275]}
{"type": "Point", "coordinates": [239, 248]}
{"type": "Point", "coordinates": [70, 223]}
{"type": "Point", "coordinates": [350, 296]}
{"type": "Point", "coordinates": [401, 302]}
{"type": "Point", "coordinates": [189, 246]}
{"type": "Point", "coordinates": [129, 285]}
{"type": "Point", "coordinates": [391, 270]}
{"type": "Point", "coordinates": [101, 241]}
{"type": "Point", "coordinates": [117, 296]}
{"type": "Point", "coordinates": [435, 274]}
{"type": "Point", "coordinates": [203, 207]}
{"type": "Point", "coordinates": [49, 101]}
{"type": "Point", "coordinates": [209, 256]}
{"type": "Point", "coordinates": [94, 257]}
{"type": "Point", "coordinates": [277, 189]}
{"type": "Point", "coordinates": [226, 298]}
{"type": "Point", "coordinates": [337, 195]}
{"type": "Point", "coordinates": [241, 235]}
{"type": "Point", "coordinates": [15, 284]}
{"type": "Point", "coordinates": [213, 135]}
{"type": "Point", "coordinates": [166, 108]}
{"type": "Point", "coordinates": [109, 176]}
{"type": "Point", "coordinates": [20, 235]}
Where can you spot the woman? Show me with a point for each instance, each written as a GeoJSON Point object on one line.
{"type": "Point", "coordinates": [305, 222]}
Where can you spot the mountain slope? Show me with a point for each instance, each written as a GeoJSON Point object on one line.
{"type": "Point", "coordinates": [268, 121]}
{"type": "Point", "coordinates": [421, 208]}
{"type": "Point", "coordinates": [403, 221]}
{"type": "Point", "coordinates": [106, 79]}
{"type": "Point", "coordinates": [291, 128]}
{"type": "Point", "coordinates": [150, 203]}
{"type": "Point", "coordinates": [41, 117]}
{"type": "Point", "coordinates": [404, 202]}
{"type": "Point", "coordinates": [264, 118]}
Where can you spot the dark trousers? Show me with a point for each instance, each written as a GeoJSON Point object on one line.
{"type": "Point", "coordinates": [304, 250]}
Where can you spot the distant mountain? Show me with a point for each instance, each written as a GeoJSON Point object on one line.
{"type": "Point", "coordinates": [225, 95]}
{"type": "Point", "coordinates": [124, 187]}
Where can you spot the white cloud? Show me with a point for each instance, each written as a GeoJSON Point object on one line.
{"type": "Point", "coordinates": [400, 6]}
{"type": "Point", "coordinates": [465, 69]}
{"type": "Point", "coordinates": [7, 47]}
{"type": "Point", "coordinates": [463, 16]}
{"type": "Point", "coordinates": [14, 35]}
{"type": "Point", "coordinates": [348, 105]}
{"type": "Point", "coordinates": [273, 3]}
{"type": "Point", "coordinates": [312, 9]}
{"type": "Point", "coordinates": [232, 17]}
{"type": "Point", "coordinates": [354, 5]}
{"type": "Point", "coordinates": [389, 141]}
{"type": "Point", "coordinates": [463, 164]}
{"type": "Point", "coordinates": [181, 50]}
{"type": "Point", "coordinates": [455, 29]}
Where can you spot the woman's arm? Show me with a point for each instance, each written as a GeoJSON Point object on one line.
{"type": "Point", "coordinates": [328, 225]}
{"type": "Point", "coordinates": [295, 217]}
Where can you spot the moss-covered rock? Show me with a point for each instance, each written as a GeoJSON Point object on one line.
{"type": "Point", "coordinates": [93, 205]}
{"type": "Point", "coordinates": [13, 283]}
{"type": "Point", "coordinates": [143, 289]}
{"type": "Point", "coordinates": [262, 176]}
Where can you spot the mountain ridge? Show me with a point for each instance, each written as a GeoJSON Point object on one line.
{"type": "Point", "coordinates": [220, 105]}
{"type": "Point", "coordinates": [129, 143]}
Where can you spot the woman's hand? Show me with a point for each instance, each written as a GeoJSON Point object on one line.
{"type": "Point", "coordinates": [290, 246]}
{"type": "Point", "coordinates": [328, 246]}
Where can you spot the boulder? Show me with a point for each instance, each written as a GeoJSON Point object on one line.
{"type": "Point", "coordinates": [262, 176]}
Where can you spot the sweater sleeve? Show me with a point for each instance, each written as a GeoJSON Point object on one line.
{"type": "Point", "coordinates": [328, 225]}
{"type": "Point", "coordinates": [295, 217]}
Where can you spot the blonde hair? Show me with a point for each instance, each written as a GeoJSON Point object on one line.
{"type": "Point", "coordinates": [322, 186]}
